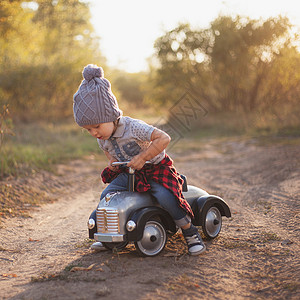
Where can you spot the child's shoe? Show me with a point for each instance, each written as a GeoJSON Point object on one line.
{"type": "Point", "coordinates": [193, 240]}
{"type": "Point", "coordinates": [98, 246]}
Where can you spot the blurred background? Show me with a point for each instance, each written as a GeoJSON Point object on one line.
{"type": "Point", "coordinates": [239, 59]}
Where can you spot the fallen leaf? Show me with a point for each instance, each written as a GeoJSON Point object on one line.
{"type": "Point", "coordinates": [74, 269]}
{"type": "Point", "coordinates": [9, 275]}
{"type": "Point", "coordinates": [100, 269]}
{"type": "Point", "coordinates": [32, 240]}
{"type": "Point", "coordinates": [90, 267]}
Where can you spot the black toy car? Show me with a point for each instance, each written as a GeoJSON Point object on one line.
{"type": "Point", "coordinates": [129, 216]}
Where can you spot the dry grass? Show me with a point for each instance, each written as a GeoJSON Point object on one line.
{"type": "Point", "coordinates": [42, 145]}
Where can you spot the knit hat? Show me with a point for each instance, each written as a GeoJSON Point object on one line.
{"type": "Point", "coordinates": [94, 101]}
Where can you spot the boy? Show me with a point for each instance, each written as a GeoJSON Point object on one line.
{"type": "Point", "coordinates": [126, 139]}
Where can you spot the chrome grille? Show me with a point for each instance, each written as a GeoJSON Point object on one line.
{"type": "Point", "coordinates": [107, 220]}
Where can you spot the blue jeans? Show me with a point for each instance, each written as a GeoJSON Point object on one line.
{"type": "Point", "coordinates": [164, 197]}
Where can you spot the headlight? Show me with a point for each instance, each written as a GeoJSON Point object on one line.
{"type": "Point", "coordinates": [91, 223]}
{"type": "Point", "coordinates": [130, 225]}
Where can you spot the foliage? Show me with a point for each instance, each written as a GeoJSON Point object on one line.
{"type": "Point", "coordinates": [6, 128]}
{"type": "Point", "coordinates": [236, 65]}
{"type": "Point", "coordinates": [44, 45]}
{"type": "Point", "coordinates": [6, 124]}
{"type": "Point", "coordinates": [130, 87]}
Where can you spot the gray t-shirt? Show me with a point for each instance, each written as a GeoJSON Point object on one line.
{"type": "Point", "coordinates": [130, 138]}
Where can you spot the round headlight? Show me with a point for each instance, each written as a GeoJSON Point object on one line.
{"type": "Point", "coordinates": [130, 225]}
{"type": "Point", "coordinates": [91, 223]}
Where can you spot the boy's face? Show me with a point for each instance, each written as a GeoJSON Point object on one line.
{"type": "Point", "coordinates": [102, 131]}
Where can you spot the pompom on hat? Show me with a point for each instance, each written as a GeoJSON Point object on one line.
{"type": "Point", "coordinates": [94, 102]}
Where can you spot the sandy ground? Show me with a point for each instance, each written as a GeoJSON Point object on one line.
{"type": "Point", "coordinates": [256, 255]}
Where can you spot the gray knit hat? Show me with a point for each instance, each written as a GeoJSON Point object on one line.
{"type": "Point", "coordinates": [94, 101]}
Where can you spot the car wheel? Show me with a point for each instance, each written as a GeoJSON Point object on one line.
{"type": "Point", "coordinates": [118, 246]}
{"type": "Point", "coordinates": [211, 222]}
{"type": "Point", "coordinates": [154, 239]}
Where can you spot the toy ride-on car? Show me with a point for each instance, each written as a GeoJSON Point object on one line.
{"type": "Point", "coordinates": [129, 216]}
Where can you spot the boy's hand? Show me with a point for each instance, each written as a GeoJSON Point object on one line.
{"type": "Point", "coordinates": [137, 162]}
{"type": "Point", "coordinates": [113, 168]}
{"type": "Point", "coordinates": [159, 141]}
{"type": "Point", "coordinates": [111, 159]}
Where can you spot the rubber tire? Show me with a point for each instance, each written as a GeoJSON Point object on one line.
{"type": "Point", "coordinates": [118, 246]}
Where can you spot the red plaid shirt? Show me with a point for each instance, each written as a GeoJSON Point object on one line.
{"type": "Point", "coordinates": [163, 173]}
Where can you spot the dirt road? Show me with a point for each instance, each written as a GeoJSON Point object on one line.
{"type": "Point", "coordinates": [256, 255]}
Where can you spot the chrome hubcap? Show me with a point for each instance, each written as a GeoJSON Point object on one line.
{"type": "Point", "coordinates": [213, 222]}
{"type": "Point", "coordinates": [154, 238]}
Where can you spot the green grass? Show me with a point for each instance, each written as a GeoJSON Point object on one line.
{"type": "Point", "coordinates": [228, 126]}
{"type": "Point", "coordinates": [41, 146]}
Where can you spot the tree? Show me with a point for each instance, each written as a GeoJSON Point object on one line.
{"type": "Point", "coordinates": [226, 66]}
{"type": "Point", "coordinates": [45, 46]}
{"type": "Point", "coordinates": [130, 87]}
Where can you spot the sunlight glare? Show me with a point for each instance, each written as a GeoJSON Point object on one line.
{"type": "Point", "coordinates": [128, 29]}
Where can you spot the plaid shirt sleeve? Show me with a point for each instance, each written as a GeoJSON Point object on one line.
{"type": "Point", "coordinates": [109, 175]}
{"type": "Point", "coordinates": [163, 173]}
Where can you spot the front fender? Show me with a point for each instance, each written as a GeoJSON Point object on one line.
{"type": "Point", "coordinates": [141, 216]}
{"type": "Point", "coordinates": [94, 230]}
{"type": "Point", "coordinates": [203, 203]}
